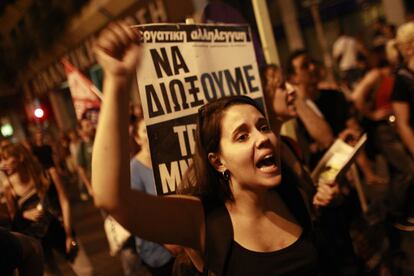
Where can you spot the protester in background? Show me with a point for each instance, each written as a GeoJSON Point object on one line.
{"type": "Point", "coordinates": [403, 100]}
{"type": "Point", "coordinates": [331, 108]}
{"type": "Point", "coordinates": [237, 172]}
{"type": "Point", "coordinates": [30, 199]}
{"type": "Point", "coordinates": [84, 154]}
{"type": "Point", "coordinates": [74, 147]}
{"type": "Point", "coordinates": [280, 99]}
{"type": "Point", "coordinates": [3, 142]}
{"type": "Point", "coordinates": [378, 36]}
{"type": "Point", "coordinates": [63, 153]}
{"type": "Point", "coordinates": [44, 155]}
{"type": "Point", "coordinates": [345, 51]}
{"type": "Point", "coordinates": [403, 106]}
{"type": "Point", "coordinates": [372, 98]}
{"type": "Point", "coordinates": [134, 147]}
{"type": "Point", "coordinates": [154, 256]}
{"type": "Point", "coordinates": [324, 198]}
{"type": "Point", "coordinates": [74, 143]}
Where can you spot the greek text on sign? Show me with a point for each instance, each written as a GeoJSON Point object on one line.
{"type": "Point", "coordinates": [184, 67]}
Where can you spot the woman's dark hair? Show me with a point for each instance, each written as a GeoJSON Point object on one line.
{"type": "Point", "coordinates": [204, 179]}
{"type": "Point", "coordinates": [30, 164]}
{"type": "Point", "coordinates": [290, 69]}
{"type": "Point", "coordinates": [269, 91]}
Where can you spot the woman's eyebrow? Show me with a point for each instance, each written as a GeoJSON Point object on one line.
{"type": "Point", "coordinates": [261, 120]}
{"type": "Point", "coordinates": [241, 127]}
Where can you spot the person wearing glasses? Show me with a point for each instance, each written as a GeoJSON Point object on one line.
{"type": "Point", "coordinates": [245, 210]}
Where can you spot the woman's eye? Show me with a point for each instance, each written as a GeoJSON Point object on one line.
{"type": "Point", "coordinates": [264, 128]}
{"type": "Point", "coordinates": [242, 137]}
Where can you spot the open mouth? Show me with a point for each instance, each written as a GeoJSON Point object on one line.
{"type": "Point", "coordinates": [7, 170]}
{"type": "Point", "coordinates": [267, 164]}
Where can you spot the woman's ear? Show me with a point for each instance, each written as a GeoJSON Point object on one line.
{"type": "Point", "coordinates": [214, 159]}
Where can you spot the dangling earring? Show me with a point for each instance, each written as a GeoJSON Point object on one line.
{"type": "Point", "coordinates": [226, 175]}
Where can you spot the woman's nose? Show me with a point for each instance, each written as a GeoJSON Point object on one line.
{"type": "Point", "coordinates": [261, 139]}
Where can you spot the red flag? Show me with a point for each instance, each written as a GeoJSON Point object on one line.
{"type": "Point", "coordinates": [84, 93]}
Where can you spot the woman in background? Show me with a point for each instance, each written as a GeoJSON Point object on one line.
{"type": "Point", "coordinates": [30, 200]}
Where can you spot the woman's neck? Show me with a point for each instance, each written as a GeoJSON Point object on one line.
{"type": "Point", "coordinates": [20, 180]}
{"type": "Point", "coordinates": [144, 156]}
{"type": "Point", "coordinates": [253, 204]}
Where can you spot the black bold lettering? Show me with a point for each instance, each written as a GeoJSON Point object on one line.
{"type": "Point", "coordinates": [152, 99]}
{"type": "Point", "coordinates": [194, 90]}
{"type": "Point", "coordinates": [174, 97]}
{"type": "Point", "coordinates": [178, 60]}
{"type": "Point", "coordinates": [250, 78]}
{"type": "Point", "coordinates": [219, 80]}
{"type": "Point", "coordinates": [180, 85]}
{"type": "Point", "coordinates": [161, 62]}
{"type": "Point", "coordinates": [236, 85]}
{"type": "Point", "coordinates": [204, 79]}
{"type": "Point", "coordinates": [165, 97]}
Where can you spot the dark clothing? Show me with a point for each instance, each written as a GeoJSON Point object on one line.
{"type": "Point", "coordinates": [85, 157]}
{"type": "Point", "coordinates": [164, 270]}
{"type": "Point", "coordinates": [11, 252]}
{"type": "Point", "coordinates": [335, 109]}
{"type": "Point", "coordinates": [331, 229]}
{"type": "Point", "coordinates": [223, 258]}
{"type": "Point", "coordinates": [36, 229]}
{"type": "Point", "coordinates": [44, 154]}
{"type": "Point", "coordinates": [401, 167]}
{"type": "Point", "coordinates": [55, 238]}
{"type": "Point", "coordinates": [404, 90]}
{"type": "Point", "coordinates": [48, 229]}
{"type": "Point", "coordinates": [300, 258]}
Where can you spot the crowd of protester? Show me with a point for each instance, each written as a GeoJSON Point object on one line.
{"type": "Point", "coordinates": [226, 199]}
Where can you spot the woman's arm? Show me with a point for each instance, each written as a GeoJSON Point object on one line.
{"type": "Point", "coordinates": [64, 205]}
{"type": "Point", "coordinates": [361, 91]}
{"type": "Point", "coordinates": [176, 220]}
{"type": "Point", "coordinates": [317, 126]}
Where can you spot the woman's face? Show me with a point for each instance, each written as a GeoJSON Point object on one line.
{"type": "Point", "coordinates": [141, 136]}
{"type": "Point", "coordinates": [9, 163]}
{"type": "Point", "coordinates": [407, 50]}
{"type": "Point", "coordinates": [284, 102]}
{"type": "Point", "coordinates": [248, 149]}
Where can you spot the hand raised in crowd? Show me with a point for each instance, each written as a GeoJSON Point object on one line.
{"type": "Point", "coordinates": [326, 193]}
{"type": "Point", "coordinates": [117, 50]}
{"type": "Point", "coordinates": [33, 214]}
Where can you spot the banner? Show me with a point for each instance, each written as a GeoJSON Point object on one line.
{"type": "Point", "coordinates": [184, 67]}
{"type": "Point", "coordinates": [84, 93]}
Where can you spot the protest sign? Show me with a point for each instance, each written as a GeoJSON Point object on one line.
{"type": "Point", "coordinates": [183, 67]}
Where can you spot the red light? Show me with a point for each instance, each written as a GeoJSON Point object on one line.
{"type": "Point", "coordinates": [39, 113]}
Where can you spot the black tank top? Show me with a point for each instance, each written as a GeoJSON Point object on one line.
{"type": "Point", "coordinates": [299, 258]}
